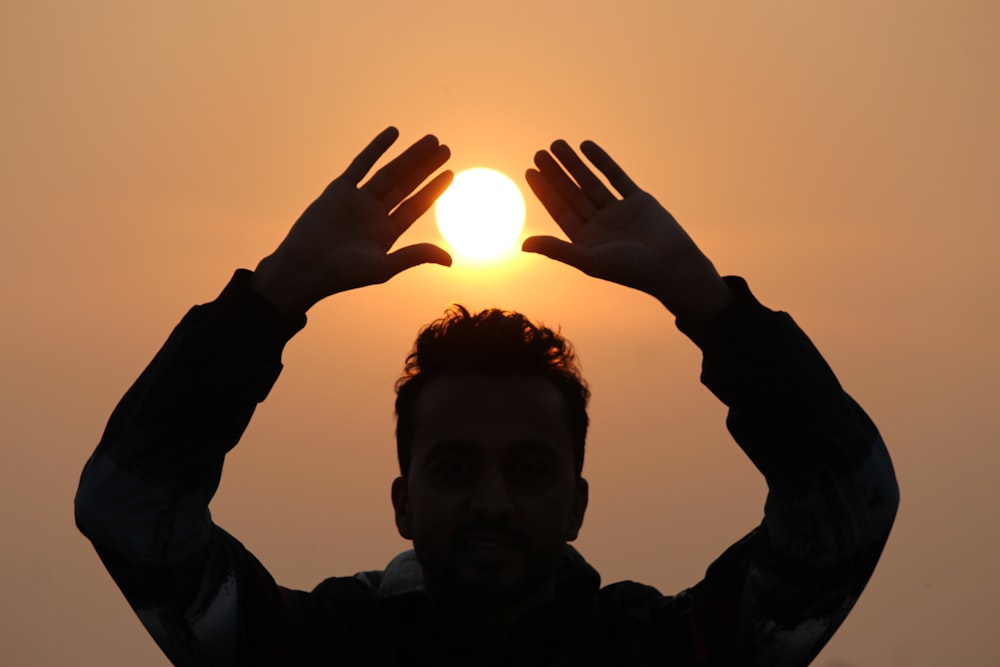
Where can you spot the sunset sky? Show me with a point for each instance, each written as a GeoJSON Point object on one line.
{"type": "Point", "coordinates": [843, 157]}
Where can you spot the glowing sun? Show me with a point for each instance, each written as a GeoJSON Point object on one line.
{"type": "Point", "coordinates": [480, 214]}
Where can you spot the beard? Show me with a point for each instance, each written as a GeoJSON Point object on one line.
{"type": "Point", "coordinates": [488, 579]}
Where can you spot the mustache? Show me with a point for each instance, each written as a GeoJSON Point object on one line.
{"type": "Point", "coordinates": [491, 528]}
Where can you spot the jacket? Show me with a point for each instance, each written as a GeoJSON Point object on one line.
{"type": "Point", "coordinates": [774, 598]}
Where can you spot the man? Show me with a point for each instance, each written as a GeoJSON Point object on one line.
{"type": "Point", "coordinates": [490, 434]}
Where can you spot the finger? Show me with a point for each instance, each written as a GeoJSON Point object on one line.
{"type": "Point", "coordinates": [607, 166]}
{"type": "Point", "coordinates": [413, 255]}
{"type": "Point", "coordinates": [407, 182]}
{"type": "Point", "coordinates": [414, 207]}
{"type": "Point", "coordinates": [561, 211]}
{"type": "Point", "coordinates": [591, 186]}
{"type": "Point", "coordinates": [404, 167]}
{"type": "Point", "coordinates": [559, 250]}
{"type": "Point", "coordinates": [367, 158]}
{"type": "Point", "coordinates": [567, 188]}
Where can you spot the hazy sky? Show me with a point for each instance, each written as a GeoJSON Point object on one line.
{"type": "Point", "coordinates": [843, 157]}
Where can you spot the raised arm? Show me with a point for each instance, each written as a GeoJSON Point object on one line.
{"type": "Point", "coordinates": [777, 596]}
{"type": "Point", "coordinates": [144, 494]}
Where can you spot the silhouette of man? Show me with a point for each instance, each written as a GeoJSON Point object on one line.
{"type": "Point", "coordinates": [490, 435]}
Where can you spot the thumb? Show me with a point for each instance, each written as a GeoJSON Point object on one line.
{"type": "Point", "coordinates": [559, 250]}
{"type": "Point", "coordinates": [414, 255]}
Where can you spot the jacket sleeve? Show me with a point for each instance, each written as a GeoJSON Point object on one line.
{"type": "Point", "coordinates": [144, 493]}
{"type": "Point", "coordinates": [832, 493]}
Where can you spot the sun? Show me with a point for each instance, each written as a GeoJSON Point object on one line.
{"type": "Point", "coordinates": [481, 214]}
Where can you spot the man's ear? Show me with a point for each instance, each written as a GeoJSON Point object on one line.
{"type": "Point", "coordinates": [581, 495]}
{"type": "Point", "coordinates": [401, 505]}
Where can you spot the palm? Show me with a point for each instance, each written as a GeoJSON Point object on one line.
{"type": "Point", "coordinates": [346, 234]}
{"type": "Point", "coordinates": [632, 241]}
{"type": "Point", "coordinates": [637, 226]}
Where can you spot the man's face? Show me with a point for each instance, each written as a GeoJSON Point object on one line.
{"type": "Point", "coordinates": [491, 497]}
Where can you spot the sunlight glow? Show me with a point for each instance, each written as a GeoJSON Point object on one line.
{"type": "Point", "coordinates": [481, 214]}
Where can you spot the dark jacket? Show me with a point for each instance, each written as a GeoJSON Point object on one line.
{"type": "Point", "coordinates": [774, 598]}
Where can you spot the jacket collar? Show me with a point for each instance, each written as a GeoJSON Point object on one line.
{"type": "Point", "coordinates": [403, 575]}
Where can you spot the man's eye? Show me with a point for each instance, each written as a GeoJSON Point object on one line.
{"type": "Point", "coordinates": [532, 469]}
{"type": "Point", "coordinates": [451, 470]}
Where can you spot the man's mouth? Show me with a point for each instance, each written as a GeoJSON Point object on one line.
{"type": "Point", "coordinates": [485, 544]}
{"type": "Point", "coordinates": [492, 546]}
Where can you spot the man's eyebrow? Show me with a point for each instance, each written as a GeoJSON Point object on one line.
{"type": "Point", "coordinates": [534, 447]}
{"type": "Point", "coordinates": [446, 447]}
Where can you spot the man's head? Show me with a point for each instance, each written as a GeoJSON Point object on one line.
{"type": "Point", "coordinates": [490, 436]}
{"type": "Point", "coordinates": [492, 343]}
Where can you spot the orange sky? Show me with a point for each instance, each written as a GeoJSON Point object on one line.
{"type": "Point", "coordinates": [843, 158]}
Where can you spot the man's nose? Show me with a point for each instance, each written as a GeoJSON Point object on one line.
{"type": "Point", "coordinates": [491, 496]}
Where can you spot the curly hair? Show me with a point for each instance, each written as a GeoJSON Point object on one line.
{"type": "Point", "coordinates": [491, 342]}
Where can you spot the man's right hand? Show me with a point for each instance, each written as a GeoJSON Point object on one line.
{"type": "Point", "coordinates": [342, 240]}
